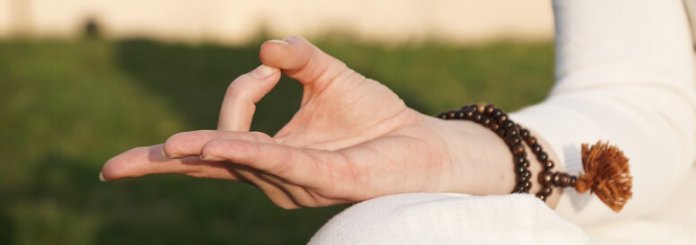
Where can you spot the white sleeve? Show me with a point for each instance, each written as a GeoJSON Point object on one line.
{"type": "Point", "coordinates": [624, 74]}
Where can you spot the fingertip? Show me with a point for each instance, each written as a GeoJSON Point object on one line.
{"type": "Point", "coordinates": [264, 71]}
{"type": "Point", "coordinates": [272, 51]}
{"type": "Point", "coordinates": [211, 150]}
{"type": "Point", "coordinates": [179, 144]}
{"type": "Point", "coordinates": [289, 54]}
{"type": "Point", "coordinates": [101, 177]}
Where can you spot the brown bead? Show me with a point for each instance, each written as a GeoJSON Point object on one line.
{"type": "Point", "coordinates": [548, 165]}
{"type": "Point", "coordinates": [524, 133]}
{"type": "Point", "coordinates": [531, 140]}
{"type": "Point", "coordinates": [442, 115]}
{"type": "Point", "coordinates": [496, 113]}
{"type": "Point", "coordinates": [521, 179]}
{"type": "Point", "coordinates": [564, 180]}
{"type": "Point", "coordinates": [512, 140]}
{"type": "Point", "coordinates": [517, 149]}
{"type": "Point", "coordinates": [450, 114]}
{"type": "Point", "coordinates": [542, 157]}
{"type": "Point", "coordinates": [508, 124]}
{"type": "Point", "coordinates": [486, 121]}
{"type": "Point", "coordinates": [489, 109]}
{"type": "Point", "coordinates": [527, 186]}
{"type": "Point", "coordinates": [512, 132]}
{"type": "Point", "coordinates": [546, 191]}
{"type": "Point", "coordinates": [477, 117]}
{"type": "Point", "coordinates": [468, 114]}
{"type": "Point", "coordinates": [501, 131]}
{"type": "Point", "coordinates": [556, 178]}
{"type": "Point", "coordinates": [520, 159]}
{"type": "Point", "coordinates": [502, 118]}
{"type": "Point", "coordinates": [541, 196]}
{"type": "Point", "coordinates": [526, 174]}
{"type": "Point", "coordinates": [460, 114]}
{"type": "Point", "coordinates": [536, 148]}
{"type": "Point", "coordinates": [520, 169]}
{"type": "Point", "coordinates": [494, 126]}
{"type": "Point", "coordinates": [545, 178]}
{"type": "Point", "coordinates": [573, 180]}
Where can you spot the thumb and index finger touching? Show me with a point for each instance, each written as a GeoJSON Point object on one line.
{"type": "Point", "coordinates": [295, 56]}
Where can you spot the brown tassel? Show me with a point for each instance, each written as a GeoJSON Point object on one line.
{"type": "Point", "coordinates": [606, 175]}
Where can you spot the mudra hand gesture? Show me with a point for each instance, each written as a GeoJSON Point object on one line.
{"type": "Point", "coordinates": [352, 139]}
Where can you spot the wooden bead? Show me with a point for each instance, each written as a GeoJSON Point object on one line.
{"type": "Point", "coordinates": [545, 178]}
{"type": "Point", "coordinates": [536, 148]}
{"type": "Point", "coordinates": [501, 131]}
{"type": "Point", "coordinates": [489, 109]}
{"type": "Point", "coordinates": [526, 174]}
{"type": "Point", "coordinates": [556, 179]}
{"type": "Point", "coordinates": [512, 140]}
{"type": "Point", "coordinates": [515, 137]}
{"type": "Point", "coordinates": [468, 114]}
{"type": "Point", "coordinates": [496, 113]}
{"type": "Point", "coordinates": [548, 165]}
{"type": "Point", "coordinates": [531, 140]}
{"type": "Point", "coordinates": [480, 108]}
{"type": "Point", "coordinates": [521, 178]}
{"type": "Point", "coordinates": [520, 159]}
{"type": "Point", "coordinates": [541, 196]}
{"type": "Point", "coordinates": [524, 133]}
{"type": "Point", "coordinates": [511, 132]}
{"type": "Point", "coordinates": [527, 186]}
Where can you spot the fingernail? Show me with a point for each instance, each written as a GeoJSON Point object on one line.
{"type": "Point", "coordinates": [101, 177]}
{"type": "Point", "coordinates": [264, 71]}
{"type": "Point", "coordinates": [280, 42]}
{"type": "Point", "coordinates": [210, 158]}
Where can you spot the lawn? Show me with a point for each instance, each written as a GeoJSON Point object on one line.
{"type": "Point", "coordinates": [66, 106]}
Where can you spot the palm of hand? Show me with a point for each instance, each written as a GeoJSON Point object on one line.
{"type": "Point", "coordinates": [352, 138]}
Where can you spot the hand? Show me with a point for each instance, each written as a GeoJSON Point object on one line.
{"type": "Point", "coordinates": [352, 139]}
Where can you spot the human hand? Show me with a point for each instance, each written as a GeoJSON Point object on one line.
{"type": "Point", "coordinates": [352, 139]}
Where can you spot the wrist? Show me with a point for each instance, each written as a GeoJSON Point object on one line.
{"type": "Point", "coordinates": [481, 161]}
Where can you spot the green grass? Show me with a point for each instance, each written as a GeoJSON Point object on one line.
{"type": "Point", "coordinates": [67, 106]}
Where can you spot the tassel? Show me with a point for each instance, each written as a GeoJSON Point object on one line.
{"type": "Point", "coordinates": [606, 175]}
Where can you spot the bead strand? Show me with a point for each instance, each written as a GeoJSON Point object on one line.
{"type": "Point", "coordinates": [515, 137]}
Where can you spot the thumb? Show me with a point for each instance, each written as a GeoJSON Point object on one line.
{"type": "Point", "coordinates": [240, 100]}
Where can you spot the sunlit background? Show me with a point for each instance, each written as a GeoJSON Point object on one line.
{"type": "Point", "coordinates": [82, 80]}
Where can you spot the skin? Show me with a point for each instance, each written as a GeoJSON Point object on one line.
{"type": "Point", "coordinates": [351, 140]}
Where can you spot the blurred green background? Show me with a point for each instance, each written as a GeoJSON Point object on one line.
{"type": "Point", "coordinates": [66, 106]}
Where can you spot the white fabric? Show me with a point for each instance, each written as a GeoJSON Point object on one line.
{"type": "Point", "coordinates": [624, 74]}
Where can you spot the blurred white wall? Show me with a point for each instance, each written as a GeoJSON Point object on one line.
{"type": "Point", "coordinates": [235, 21]}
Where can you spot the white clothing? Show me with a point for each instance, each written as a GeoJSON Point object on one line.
{"type": "Point", "coordinates": [624, 74]}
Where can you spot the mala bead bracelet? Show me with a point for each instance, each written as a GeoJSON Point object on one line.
{"type": "Point", "coordinates": [606, 171]}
